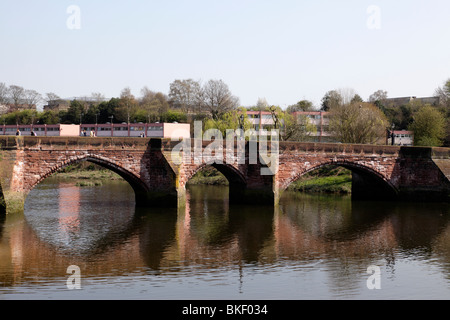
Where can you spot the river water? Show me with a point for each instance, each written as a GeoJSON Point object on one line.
{"type": "Point", "coordinates": [310, 247]}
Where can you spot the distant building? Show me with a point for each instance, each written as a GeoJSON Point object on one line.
{"type": "Point", "coordinates": [398, 102]}
{"type": "Point", "coordinates": [57, 105]}
{"type": "Point", "coordinates": [149, 130]}
{"type": "Point", "coordinates": [321, 120]}
{"type": "Point", "coordinates": [402, 138]}
{"type": "Point", "coordinates": [10, 107]}
{"type": "Point", "coordinates": [260, 119]}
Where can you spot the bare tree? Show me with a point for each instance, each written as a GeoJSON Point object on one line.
{"type": "Point", "coordinates": [97, 97]}
{"type": "Point", "coordinates": [358, 123]}
{"type": "Point", "coordinates": [444, 94]}
{"type": "Point", "coordinates": [32, 98]}
{"type": "Point", "coordinates": [379, 95]}
{"type": "Point", "coordinates": [17, 94]}
{"type": "Point", "coordinates": [127, 103]}
{"type": "Point", "coordinates": [50, 96]}
{"type": "Point", "coordinates": [184, 94]}
{"type": "Point", "coordinates": [217, 99]}
{"type": "Point", "coordinates": [347, 95]}
{"type": "Point", "coordinates": [4, 93]}
{"type": "Point", "coordinates": [262, 104]}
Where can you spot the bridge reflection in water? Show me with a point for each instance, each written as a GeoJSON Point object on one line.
{"type": "Point", "coordinates": [332, 234]}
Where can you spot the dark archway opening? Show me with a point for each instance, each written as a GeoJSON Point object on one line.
{"type": "Point", "coordinates": [91, 171]}
{"type": "Point", "coordinates": [344, 179]}
{"type": "Point", "coordinates": [224, 176]}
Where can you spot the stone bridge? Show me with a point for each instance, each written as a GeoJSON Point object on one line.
{"type": "Point", "coordinates": [158, 179]}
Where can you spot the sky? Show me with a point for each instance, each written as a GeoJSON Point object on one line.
{"type": "Point", "coordinates": [283, 51]}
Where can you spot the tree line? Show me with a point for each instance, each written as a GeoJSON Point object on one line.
{"type": "Point", "coordinates": [352, 120]}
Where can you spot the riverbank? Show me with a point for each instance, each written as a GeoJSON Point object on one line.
{"type": "Point", "coordinates": [328, 179]}
{"type": "Point", "coordinates": [87, 174]}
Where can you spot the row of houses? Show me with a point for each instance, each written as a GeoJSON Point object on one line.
{"type": "Point", "coordinates": [148, 130]}
{"type": "Point", "coordinates": [10, 107]}
{"type": "Point", "coordinates": [263, 120]}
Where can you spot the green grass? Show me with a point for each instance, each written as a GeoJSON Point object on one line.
{"type": "Point", "coordinates": [327, 179]}
{"type": "Point", "coordinates": [86, 174]}
{"type": "Point", "coordinates": [209, 176]}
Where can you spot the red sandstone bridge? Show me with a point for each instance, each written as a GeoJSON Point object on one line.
{"type": "Point", "coordinates": [379, 172]}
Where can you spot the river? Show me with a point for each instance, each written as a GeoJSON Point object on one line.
{"type": "Point", "coordinates": [309, 247]}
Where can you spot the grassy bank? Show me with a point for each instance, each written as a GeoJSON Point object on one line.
{"type": "Point", "coordinates": [86, 174]}
{"type": "Point", "coordinates": [327, 179]}
{"type": "Point", "coordinates": [209, 176]}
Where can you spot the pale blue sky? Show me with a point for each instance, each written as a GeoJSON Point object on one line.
{"type": "Point", "coordinates": [282, 50]}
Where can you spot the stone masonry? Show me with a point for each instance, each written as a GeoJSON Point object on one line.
{"type": "Point", "coordinates": [380, 172]}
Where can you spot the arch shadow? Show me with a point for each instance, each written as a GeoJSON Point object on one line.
{"type": "Point", "coordinates": [135, 182]}
{"type": "Point", "coordinates": [367, 184]}
{"type": "Point", "coordinates": [237, 183]}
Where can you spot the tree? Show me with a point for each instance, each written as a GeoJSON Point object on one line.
{"type": "Point", "coordinates": [235, 119]}
{"type": "Point", "coordinates": [379, 95]}
{"type": "Point", "coordinates": [379, 98]}
{"type": "Point", "coordinates": [32, 98]}
{"type": "Point", "coordinates": [290, 127]}
{"type": "Point", "coordinates": [356, 98]}
{"type": "Point", "coordinates": [97, 97]}
{"type": "Point", "coordinates": [358, 123]}
{"type": "Point", "coordinates": [331, 99]}
{"type": "Point", "coordinates": [217, 99]}
{"type": "Point", "coordinates": [75, 112]}
{"type": "Point", "coordinates": [261, 104]}
{"type": "Point", "coordinates": [107, 109]}
{"type": "Point", "coordinates": [429, 127]}
{"type": "Point", "coordinates": [298, 128]}
{"type": "Point", "coordinates": [184, 94]}
{"type": "Point", "coordinates": [127, 105]}
{"type": "Point", "coordinates": [16, 95]}
{"type": "Point", "coordinates": [444, 94]}
{"type": "Point", "coordinates": [302, 105]}
{"type": "Point", "coordinates": [50, 96]}
{"type": "Point", "coordinates": [4, 94]}
{"type": "Point", "coordinates": [48, 117]}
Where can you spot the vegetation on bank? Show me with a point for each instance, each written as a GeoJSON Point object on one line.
{"type": "Point", "coordinates": [209, 176]}
{"type": "Point", "coordinates": [87, 174]}
{"type": "Point", "coordinates": [328, 179]}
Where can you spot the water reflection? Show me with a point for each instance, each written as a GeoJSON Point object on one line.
{"type": "Point", "coordinates": [326, 241]}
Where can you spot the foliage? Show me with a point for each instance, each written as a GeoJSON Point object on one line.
{"type": "Point", "coordinates": [358, 123]}
{"type": "Point", "coordinates": [429, 127]}
{"type": "Point", "coordinates": [330, 100]}
{"type": "Point", "coordinates": [233, 120]}
{"type": "Point", "coordinates": [302, 105]}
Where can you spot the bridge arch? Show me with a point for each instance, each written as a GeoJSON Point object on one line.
{"type": "Point", "coordinates": [231, 173]}
{"type": "Point", "coordinates": [367, 183]}
{"type": "Point", "coordinates": [139, 187]}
